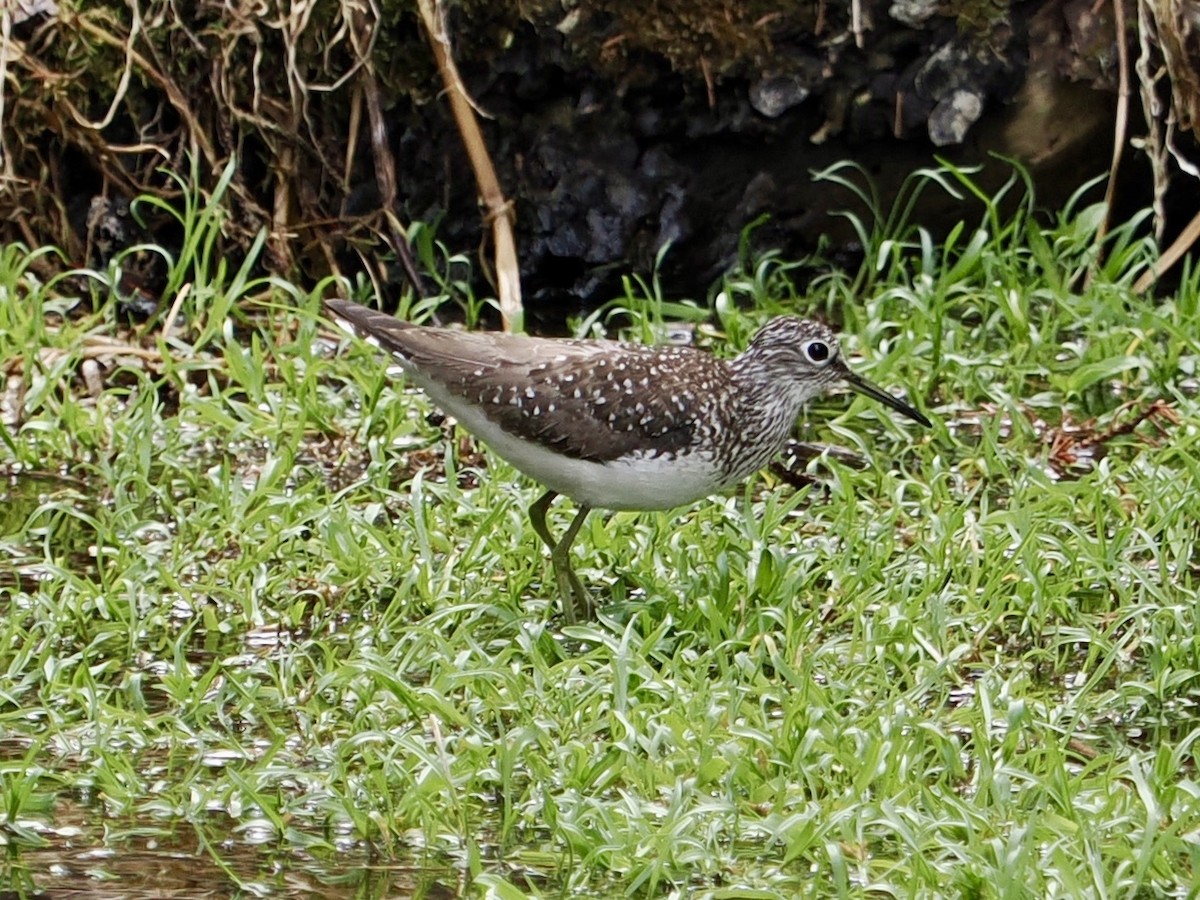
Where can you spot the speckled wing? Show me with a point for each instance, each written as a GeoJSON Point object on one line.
{"type": "Point", "coordinates": [593, 400]}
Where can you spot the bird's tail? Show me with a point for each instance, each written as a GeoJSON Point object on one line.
{"type": "Point", "coordinates": [370, 324]}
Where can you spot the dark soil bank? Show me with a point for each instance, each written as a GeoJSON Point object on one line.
{"type": "Point", "coordinates": [615, 127]}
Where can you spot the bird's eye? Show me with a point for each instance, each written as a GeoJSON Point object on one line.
{"type": "Point", "coordinates": [817, 352]}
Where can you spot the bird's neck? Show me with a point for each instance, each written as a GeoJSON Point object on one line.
{"type": "Point", "coordinates": [766, 409]}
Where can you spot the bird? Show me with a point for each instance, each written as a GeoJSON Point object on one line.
{"type": "Point", "coordinates": [618, 425]}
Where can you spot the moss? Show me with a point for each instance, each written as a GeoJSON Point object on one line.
{"type": "Point", "coordinates": [700, 38]}
{"type": "Point", "coordinates": [978, 19]}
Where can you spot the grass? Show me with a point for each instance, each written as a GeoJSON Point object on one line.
{"type": "Point", "coordinates": [258, 608]}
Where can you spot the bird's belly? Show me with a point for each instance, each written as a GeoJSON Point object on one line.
{"type": "Point", "coordinates": [635, 481]}
{"type": "Point", "coordinates": [644, 482]}
{"type": "Point", "coordinates": [641, 481]}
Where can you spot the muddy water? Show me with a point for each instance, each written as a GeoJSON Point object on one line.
{"type": "Point", "coordinates": [84, 856]}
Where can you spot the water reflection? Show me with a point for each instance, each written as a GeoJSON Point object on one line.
{"type": "Point", "coordinates": [83, 855]}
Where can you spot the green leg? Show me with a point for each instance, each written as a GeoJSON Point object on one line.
{"type": "Point", "coordinates": [568, 581]}
{"type": "Point", "coordinates": [573, 593]}
{"type": "Point", "coordinates": [537, 515]}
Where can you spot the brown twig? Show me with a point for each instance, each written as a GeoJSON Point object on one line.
{"type": "Point", "coordinates": [1068, 446]}
{"type": "Point", "coordinates": [709, 84]}
{"type": "Point", "coordinates": [498, 210]}
{"type": "Point", "coordinates": [385, 162]}
{"type": "Point", "coordinates": [1170, 256]}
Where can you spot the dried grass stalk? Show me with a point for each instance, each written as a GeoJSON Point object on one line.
{"type": "Point", "coordinates": [498, 210]}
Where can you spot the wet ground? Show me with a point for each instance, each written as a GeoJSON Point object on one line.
{"type": "Point", "coordinates": [85, 855]}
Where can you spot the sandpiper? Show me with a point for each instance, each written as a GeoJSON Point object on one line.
{"type": "Point", "coordinates": [616, 425]}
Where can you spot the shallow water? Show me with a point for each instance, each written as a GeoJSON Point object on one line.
{"type": "Point", "coordinates": [84, 855]}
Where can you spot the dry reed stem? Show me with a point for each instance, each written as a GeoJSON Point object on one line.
{"type": "Point", "coordinates": [1170, 256]}
{"type": "Point", "coordinates": [499, 211]}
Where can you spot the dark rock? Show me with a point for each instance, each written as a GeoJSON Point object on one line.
{"type": "Point", "coordinates": [953, 116]}
{"type": "Point", "coordinates": [913, 13]}
{"type": "Point", "coordinates": [776, 95]}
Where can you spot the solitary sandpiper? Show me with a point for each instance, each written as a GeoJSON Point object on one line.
{"type": "Point", "coordinates": [618, 425]}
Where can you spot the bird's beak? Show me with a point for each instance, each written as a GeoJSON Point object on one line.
{"type": "Point", "coordinates": [863, 386]}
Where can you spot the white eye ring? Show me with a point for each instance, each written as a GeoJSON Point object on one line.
{"type": "Point", "coordinates": [818, 352]}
